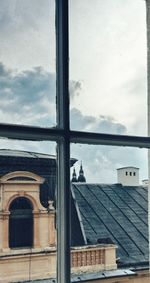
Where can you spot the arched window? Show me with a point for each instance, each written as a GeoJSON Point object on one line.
{"type": "Point", "coordinates": [20, 223]}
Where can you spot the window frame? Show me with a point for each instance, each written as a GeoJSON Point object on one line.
{"type": "Point", "coordinates": [63, 135]}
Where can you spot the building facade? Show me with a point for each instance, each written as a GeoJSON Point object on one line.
{"type": "Point", "coordinates": [109, 225]}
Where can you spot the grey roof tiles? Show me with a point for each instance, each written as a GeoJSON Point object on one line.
{"type": "Point", "coordinates": [115, 212]}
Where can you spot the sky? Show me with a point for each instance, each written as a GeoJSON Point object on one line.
{"type": "Point", "coordinates": [108, 88]}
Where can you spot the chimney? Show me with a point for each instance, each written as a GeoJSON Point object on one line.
{"type": "Point", "coordinates": [128, 176]}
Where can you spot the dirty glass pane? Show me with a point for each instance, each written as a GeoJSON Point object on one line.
{"type": "Point", "coordinates": [28, 210]}
{"type": "Point", "coordinates": [108, 73]}
{"type": "Point", "coordinates": [27, 62]}
{"type": "Point", "coordinates": [109, 212]}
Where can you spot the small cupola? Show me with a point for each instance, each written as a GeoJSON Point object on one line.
{"type": "Point", "coordinates": [81, 177]}
{"type": "Point", "coordinates": [128, 176]}
{"type": "Point", "coordinates": [74, 176]}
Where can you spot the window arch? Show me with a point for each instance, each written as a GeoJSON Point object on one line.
{"type": "Point", "coordinates": [20, 223]}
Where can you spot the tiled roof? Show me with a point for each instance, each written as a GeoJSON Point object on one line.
{"type": "Point", "coordinates": [86, 276]}
{"type": "Point", "coordinates": [116, 213]}
{"type": "Point", "coordinates": [22, 153]}
{"type": "Point", "coordinates": [29, 154]}
{"type": "Point", "coordinates": [100, 212]}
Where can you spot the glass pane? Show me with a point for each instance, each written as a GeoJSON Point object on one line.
{"type": "Point", "coordinates": [27, 62]}
{"type": "Point", "coordinates": [109, 212]}
{"type": "Point", "coordinates": [28, 210]}
{"type": "Point", "coordinates": [108, 88]}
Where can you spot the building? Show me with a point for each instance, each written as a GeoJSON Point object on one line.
{"type": "Point", "coordinates": [117, 214]}
{"type": "Point", "coordinates": [128, 176]}
{"type": "Point", "coordinates": [109, 224]}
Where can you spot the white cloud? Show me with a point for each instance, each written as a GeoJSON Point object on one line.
{"type": "Point", "coordinates": [28, 97]}
{"type": "Point", "coordinates": [107, 53]}
{"type": "Point", "coordinates": [101, 124]}
{"type": "Point", "coordinates": [28, 33]}
{"type": "Point", "coordinates": [107, 71]}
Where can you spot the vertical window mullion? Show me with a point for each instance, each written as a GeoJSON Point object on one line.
{"type": "Point", "coordinates": [63, 145]}
{"type": "Point", "coordinates": [148, 60]}
{"type": "Point", "coordinates": [148, 83]}
{"type": "Point", "coordinates": [63, 214]}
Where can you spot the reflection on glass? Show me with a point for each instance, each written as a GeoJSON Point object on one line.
{"type": "Point", "coordinates": [108, 66]}
{"type": "Point", "coordinates": [27, 208]}
{"type": "Point", "coordinates": [109, 220]}
{"type": "Point", "coordinates": [27, 62]}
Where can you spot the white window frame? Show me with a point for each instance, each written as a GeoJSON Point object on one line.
{"type": "Point", "coordinates": [64, 136]}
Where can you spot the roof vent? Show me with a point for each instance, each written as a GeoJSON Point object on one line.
{"type": "Point", "coordinates": [105, 241]}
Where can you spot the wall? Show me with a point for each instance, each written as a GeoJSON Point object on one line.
{"type": "Point", "coordinates": [27, 266]}
{"type": "Point", "coordinates": [128, 180]}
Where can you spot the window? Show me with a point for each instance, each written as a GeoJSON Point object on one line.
{"type": "Point", "coordinates": [126, 173]}
{"type": "Point", "coordinates": [20, 221]}
{"type": "Point", "coordinates": [64, 136]}
{"type": "Point", "coordinates": [130, 173]}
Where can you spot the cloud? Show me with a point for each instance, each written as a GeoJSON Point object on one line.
{"type": "Point", "coordinates": [24, 14]}
{"type": "Point", "coordinates": [28, 33]}
{"type": "Point", "coordinates": [102, 124]}
{"type": "Point", "coordinates": [74, 88]}
{"type": "Point", "coordinates": [107, 58]}
{"type": "Point", "coordinates": [28, 97]}
{"type": "Point", "coordinates": [100, 162]}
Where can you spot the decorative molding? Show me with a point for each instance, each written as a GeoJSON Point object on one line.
{"type": "Point", "coordinates": [28, 178]}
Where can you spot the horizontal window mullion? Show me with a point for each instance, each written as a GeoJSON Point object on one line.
{"type": "Point", "coordinates": [109, 139]}
{"type": "Point", "coordinates": [55, 134]}
{"type": "Point", "coordinates": [30, 132]}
